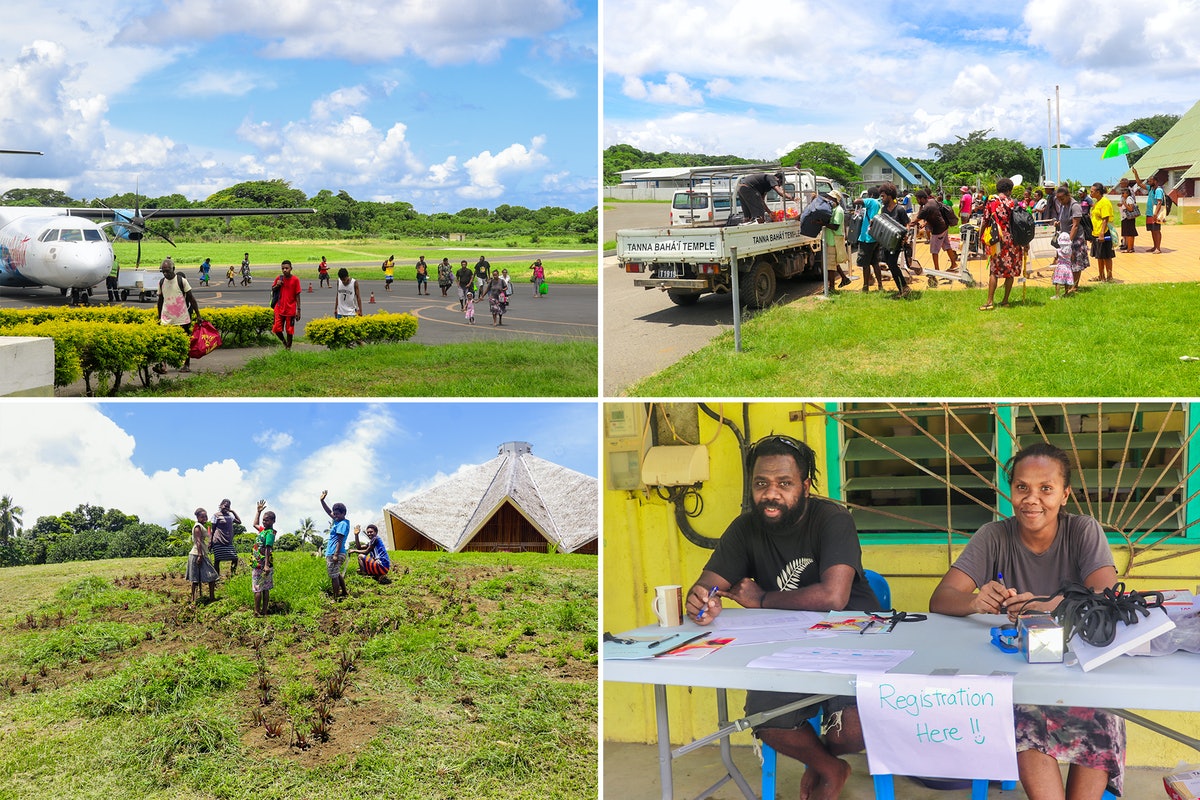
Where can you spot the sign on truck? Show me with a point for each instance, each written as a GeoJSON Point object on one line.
{"type": "Point", "coordinates": [688, 263]}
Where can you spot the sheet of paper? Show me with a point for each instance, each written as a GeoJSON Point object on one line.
{"type": "Point", "coordinates": [785, 633]}
{"type": "Point", "coordinates": [765, 619]}
{"type": "Point", "coordinates": [831, 659]}
{"type": "Point", "coordinates": [696, 650]}
{"type": "Point", "coordinates": [943, 726]}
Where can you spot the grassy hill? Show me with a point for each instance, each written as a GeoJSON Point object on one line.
{"type": "Point", "coordinates": [470, 675]}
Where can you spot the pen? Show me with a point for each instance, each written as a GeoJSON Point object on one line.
{"type": "Point", "coordinates": [711, 594]}
{"type": "Point", "coordinates": [1000, 578]}
{"type": "Point", "coordinates": [866, 627]}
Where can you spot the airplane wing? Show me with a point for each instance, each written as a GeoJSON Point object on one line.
{"type": "Point", "coordinates": [124, 215]}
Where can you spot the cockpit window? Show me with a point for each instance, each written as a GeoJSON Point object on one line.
{"type": "Point", "coordinates": [49, 235]}
{"type": "Point", "coordinates": [72, 235]}
{"type": "Point", "coordinates": [91, 235]}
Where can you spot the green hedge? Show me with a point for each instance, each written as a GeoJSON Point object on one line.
{"type": "Point", "coordinates": [241, 326]}
{"type": "Point", "coordinates": [349, 331]}
{"type": "Point", "coordinates": [104, 351]}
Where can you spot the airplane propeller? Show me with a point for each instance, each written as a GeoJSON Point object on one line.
{"type": "Point", "coordinates": [131, 225]}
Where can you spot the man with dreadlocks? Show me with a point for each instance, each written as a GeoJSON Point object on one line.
{"type": "Point", "coordinates": [796, 552]}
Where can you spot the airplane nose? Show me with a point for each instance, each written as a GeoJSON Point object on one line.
{"type": "Point", "coordinates": [87, 264]}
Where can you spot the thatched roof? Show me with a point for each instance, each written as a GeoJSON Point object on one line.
{"type": "Point", "coordinates": [560, 503]}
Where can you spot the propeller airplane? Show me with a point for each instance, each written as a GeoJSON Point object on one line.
{"type": "Point", "coordinates": [67, 249]}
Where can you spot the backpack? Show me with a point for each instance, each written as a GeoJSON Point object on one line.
{"type": "Point", "coordinates": [276, 289]}
{"type": "Point", "coordinates": [816, 215]}
{"type": "Point", "coordinates": [1020, 223]}
{"type": "Point", "coordinates": [948, 215]}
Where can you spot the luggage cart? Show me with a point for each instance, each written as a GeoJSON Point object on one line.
{"type": "Point", "coordinates": [912, 267]}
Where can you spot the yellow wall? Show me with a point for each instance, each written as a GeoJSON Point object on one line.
{"type": "Point", "coordinates": [643, 548]}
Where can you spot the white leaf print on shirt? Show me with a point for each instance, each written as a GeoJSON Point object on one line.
{"type": "Point", "coordinates": [789, 578]}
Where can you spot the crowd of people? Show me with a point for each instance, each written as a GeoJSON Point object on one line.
{"type": "Point", "coordinates": [1094, 227]}
{"type": "Point", "coordinates": [793, 550]}
{"type": "Point", "coordinates": [213, 544]}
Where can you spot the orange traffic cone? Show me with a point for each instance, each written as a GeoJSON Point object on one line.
{"type": "Point", "coordinates": [372, 300]}
{"type": "Point", "coordinates": [310, 287]}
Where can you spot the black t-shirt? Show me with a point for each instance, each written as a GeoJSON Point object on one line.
{"type": "Point", "coordinates": [931, 212]}
{"type": "Point", "coordinates": [761, 182]}
{"type": "Point", "coordinates": [794, 557]}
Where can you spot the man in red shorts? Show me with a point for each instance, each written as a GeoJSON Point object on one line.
{"type": "Point", "coordinates": [285, 298]}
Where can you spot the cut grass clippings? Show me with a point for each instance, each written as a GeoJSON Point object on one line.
{"type": "Point", "coordinates": [495, 369]}
{"type": "Point", "coordinates": [1107, 341]}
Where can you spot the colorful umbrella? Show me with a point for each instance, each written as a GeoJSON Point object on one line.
{"type": "Point", "coordinates": [1127, 143]}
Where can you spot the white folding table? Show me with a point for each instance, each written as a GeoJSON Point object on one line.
{"type": "Point", "coordinates": [940, 645]}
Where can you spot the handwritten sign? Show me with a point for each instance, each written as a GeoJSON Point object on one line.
{"type": "Point", "coordinates": [939, 726]}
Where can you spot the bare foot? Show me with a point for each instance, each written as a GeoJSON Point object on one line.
{"type": "Point", "coordinates": [830, 785]}
{"type": "Point", "coordinates": [809, 783]}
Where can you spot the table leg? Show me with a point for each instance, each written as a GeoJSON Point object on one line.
{"type": "Point", "coordinates": [727, 753]}
{"type": "Point", "coordinates": [665, 778]}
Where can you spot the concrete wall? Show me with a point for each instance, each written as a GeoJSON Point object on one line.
{"type": "Point", "coordinates": [26, 366]}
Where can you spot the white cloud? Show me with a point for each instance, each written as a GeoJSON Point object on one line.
{"type": "Point", "coordinates": [236, 83]}
{"type": "Point", "coordinates": [54, 456]}
{"type": "Point", "coordinates": [351, 98]}
{"type": "Point", "coordinates": [274, 441]}
{"type": "Point", "coordinates": [351, 468]}
{"type": "Point", "coordinates": [674, 90]}
{"type": "Point", "coordinates": [487, 170]}
{"type": "Point", "coordinates": [360, 31]}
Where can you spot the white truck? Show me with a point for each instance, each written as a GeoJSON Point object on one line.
{"type": "Point", "coordinates": [711, 195]}
{"type": "Point", "coordinates": [689, 262]}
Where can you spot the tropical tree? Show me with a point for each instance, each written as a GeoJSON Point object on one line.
{"type": "Point", "coordinates": [308, 532]}
{"type": "Point", "coordinates": [1154, 127]}
{"type": "Point", "coordinates": [181, 530]}
{"type": "Point", "coordinates": [978, 154]}
{"type": "Point", "coordinates": [825, 158]}
{"type": "Point", "coordinates": [10, 519]}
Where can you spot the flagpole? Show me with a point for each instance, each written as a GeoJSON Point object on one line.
{"type": "Point", "coordinates": [1058, 115]}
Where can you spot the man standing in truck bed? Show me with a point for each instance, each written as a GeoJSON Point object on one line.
{"type": "Point", "coordinates": [752, 194]}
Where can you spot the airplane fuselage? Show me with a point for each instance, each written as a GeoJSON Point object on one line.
{"type": "Point", "coordinates": [45, 247]}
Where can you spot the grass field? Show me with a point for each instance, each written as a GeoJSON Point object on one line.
{"type": "Point", "coordinates": [1108, 341]}
{"type": "Point", "coordinates": [510, 369]}
{"type": "Point", "coordinates": [305, 253]}
{"type": "Point", "coordinates": [470, 675]}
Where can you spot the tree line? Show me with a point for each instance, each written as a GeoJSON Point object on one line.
{"type": "Point", "coordinates": [339, 215]}
{"type": "Point", "coordinates": [976, 157]}
{"type": "Point", "coordinates": [91, 533]}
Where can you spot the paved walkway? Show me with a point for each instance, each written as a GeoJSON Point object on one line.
{"type": "Point", "coordinates": [1178, 262]}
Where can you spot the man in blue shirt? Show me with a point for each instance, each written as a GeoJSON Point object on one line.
{"type": "Point", "coordinates": [1155, 202]}
{"type": "Point", "coordinates": [868, 248]}
{"type": "Point", "coordinates": [335, 548]}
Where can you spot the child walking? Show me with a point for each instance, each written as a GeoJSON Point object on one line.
{"type": "Point", "coordinates": [1063, 278]}
{"type": "Point", "coordinates": [262, 563]}
{"type": "Point", "coordinates": [469, 308]}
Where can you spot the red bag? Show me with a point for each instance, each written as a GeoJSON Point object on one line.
{"type": "Point", "coordinates": [205, 339]}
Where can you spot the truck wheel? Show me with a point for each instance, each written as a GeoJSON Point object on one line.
{"type": "Point", "coordinates": [124, 294]}
{"type": "Point", "coordinates": [757, 286]}
{"type": "Point", "coordinates": [683, 298]}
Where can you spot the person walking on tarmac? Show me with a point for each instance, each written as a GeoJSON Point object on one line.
{"type": "Point", "coordinates": [752, 193]}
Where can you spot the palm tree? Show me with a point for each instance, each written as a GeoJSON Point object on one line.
{"type": "Point", "coordinates": [181, 531]}
{"type": "Point", "coordinates": [308, 531]}
{"type": "Point", "coordinates": [10, 519]}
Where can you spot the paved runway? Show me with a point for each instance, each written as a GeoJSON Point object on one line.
{"type": "Point", "coordinates": [568, 312]}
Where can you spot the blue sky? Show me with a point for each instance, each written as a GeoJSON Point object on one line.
{"type": "Point", "coordinates": [157, 459]}
{"type": "Point", "coordinates": [888, 75]}
{"type": "Point", "coordinates": [445, 105]}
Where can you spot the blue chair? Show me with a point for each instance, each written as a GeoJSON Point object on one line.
{"type": "Point", "coordinates": [879, 586]}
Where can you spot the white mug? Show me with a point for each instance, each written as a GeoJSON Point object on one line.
{"type": "Point", "coordinates": [668, 605]}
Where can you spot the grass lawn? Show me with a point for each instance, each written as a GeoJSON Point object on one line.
{"type": "Point", "coordinates": [470, 675]}
{"type": "Point", "coordinates": [1108, 341]}
{"type": "Point", "coordinates": [305, 253]}
{"type": "Point", "coordinates": [510, 369]}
